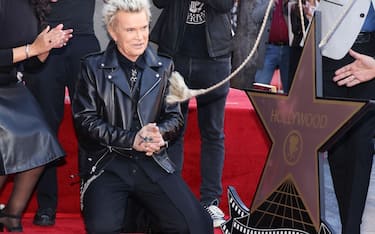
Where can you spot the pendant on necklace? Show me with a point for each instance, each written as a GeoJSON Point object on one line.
{"type": "Point", "coordinates": [133, 77]}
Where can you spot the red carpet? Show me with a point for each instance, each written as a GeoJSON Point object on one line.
{"type": "Point", "coordinates": [246, 150]}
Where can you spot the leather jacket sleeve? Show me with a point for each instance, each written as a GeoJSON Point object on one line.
{"type": "Point", "coordinates": [89, 121]}
{"type": "Point", "coordinates": [171, 120]}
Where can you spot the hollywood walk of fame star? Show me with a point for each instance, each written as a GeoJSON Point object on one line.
{"type": "Point", "coordinates": [298, 125]}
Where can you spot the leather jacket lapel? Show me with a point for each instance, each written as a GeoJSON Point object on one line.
{"type": "Point", "coordinates": [118, 78]}
{"type": "Point", "coordinates": [150, 76]}
{"type": "Point", "coordinates": [149, 80]}
{"type": "Point", "coordinates": [112, 71]}
{"type": "Point", "coordinates": [114, 74]}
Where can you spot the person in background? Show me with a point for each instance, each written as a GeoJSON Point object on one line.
{"type": "Point", "coordinates": [48, 86]}
{"type": "Point", "coordinates": [247, 31]}
{"type": "Point", "coordinates": [197, 35]}
{"type": "Point", "coordinates": [351, 158]}
{"type": "Point", "coordinates": [277, 42]}
{"type": "Point", "coordinates": [308, 7]}
{"type": "Point", "coordinates": [26, 144]}
{"type": "Point", "coordinates": [123, 124]}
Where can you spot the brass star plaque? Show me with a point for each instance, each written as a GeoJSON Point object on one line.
{"type": "Point", "coordinates": [299, 124]}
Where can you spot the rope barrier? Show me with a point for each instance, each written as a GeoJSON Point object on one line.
{"type": "Point", "coordinates": [178, 90]}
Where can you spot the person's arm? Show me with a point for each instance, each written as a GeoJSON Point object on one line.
{"type": "Point", "coordinates": [48, 39]}
{"type": "Point", "coordinates": [45, 41]}
{"type": "Point", "coordinates": [359, 71]}
{"type": "Point", "coordinates": [169, 122]}
{"type": "Point", "coordinates": [167, 126]}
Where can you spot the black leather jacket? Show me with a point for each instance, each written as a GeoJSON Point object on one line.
{"type": "Point", "coordinates": [102, 108]}
{"type": "Point", "coordinates": [168, 30]}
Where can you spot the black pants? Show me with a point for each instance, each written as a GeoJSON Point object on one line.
{"type": "Point", "coordinates": [106, 200]}
{"type": "Point", "coordinates": [350, 159]}
{"type": "Point", "coordinates": [48, 86]}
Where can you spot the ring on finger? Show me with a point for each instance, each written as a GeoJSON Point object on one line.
{"type": "Point", "coordinates": [147, 139]}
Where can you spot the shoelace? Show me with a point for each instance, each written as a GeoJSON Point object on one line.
{"type": "Point", "coordinates": [215, 212]}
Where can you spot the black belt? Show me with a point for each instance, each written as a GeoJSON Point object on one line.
{"type": "Point", "coordinates": [365, 37]}
{"type": "Point", "coordinates": [278, 43]}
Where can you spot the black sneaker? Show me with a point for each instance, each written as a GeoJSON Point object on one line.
{"type": "Point", "coordinates": [45, 217]}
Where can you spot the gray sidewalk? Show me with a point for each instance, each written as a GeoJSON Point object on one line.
{"type": "Point", "coordinates": [331, 209]}
{"type": "Point", "coordinates": [368, 225]}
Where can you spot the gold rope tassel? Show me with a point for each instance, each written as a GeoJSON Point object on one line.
{"type": "Point", "coordinates": [178, 90]}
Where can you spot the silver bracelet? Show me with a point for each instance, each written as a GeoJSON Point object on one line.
{"type": "Point", "coordinates": [27, 50]}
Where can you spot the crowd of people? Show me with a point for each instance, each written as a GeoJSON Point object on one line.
{"type": "Point", "coordinates": [280, 42]}
{"type": "Point", "coordinates": [130, 138]}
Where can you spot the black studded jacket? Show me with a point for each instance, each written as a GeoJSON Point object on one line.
{"type": "Point", "coordinates": [102, 110]}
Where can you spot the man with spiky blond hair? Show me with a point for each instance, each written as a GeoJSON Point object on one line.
{"type": "Point", "coordinates": [123, 125]}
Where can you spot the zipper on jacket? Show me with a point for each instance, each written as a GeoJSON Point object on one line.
{"type": "Point", "coordinates": [139, 101]}
{"type": "Point", "coordinates": [93, 168]}
{"type": "Point", "coordinates": [113, 101]}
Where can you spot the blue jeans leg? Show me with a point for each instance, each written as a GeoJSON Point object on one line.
{"type": "Point", "coordinates": [270, 64]}
{"type": "Point", "coordinates": [284, 67]}
{"type": "Point", "coordinates": [275, 57]}
{"type": "Point", "coordinates": [211, 125]}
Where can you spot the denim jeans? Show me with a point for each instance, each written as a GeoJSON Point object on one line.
{"type": "Point", "coordinates": [203, 73]}
{"type": "Point", "coordinates": [276, 56]}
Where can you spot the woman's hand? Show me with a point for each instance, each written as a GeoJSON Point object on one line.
{"type": "Point", "coordinates": [49, 39]}
{"type": "Point", "coordinates": [44, 42]}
